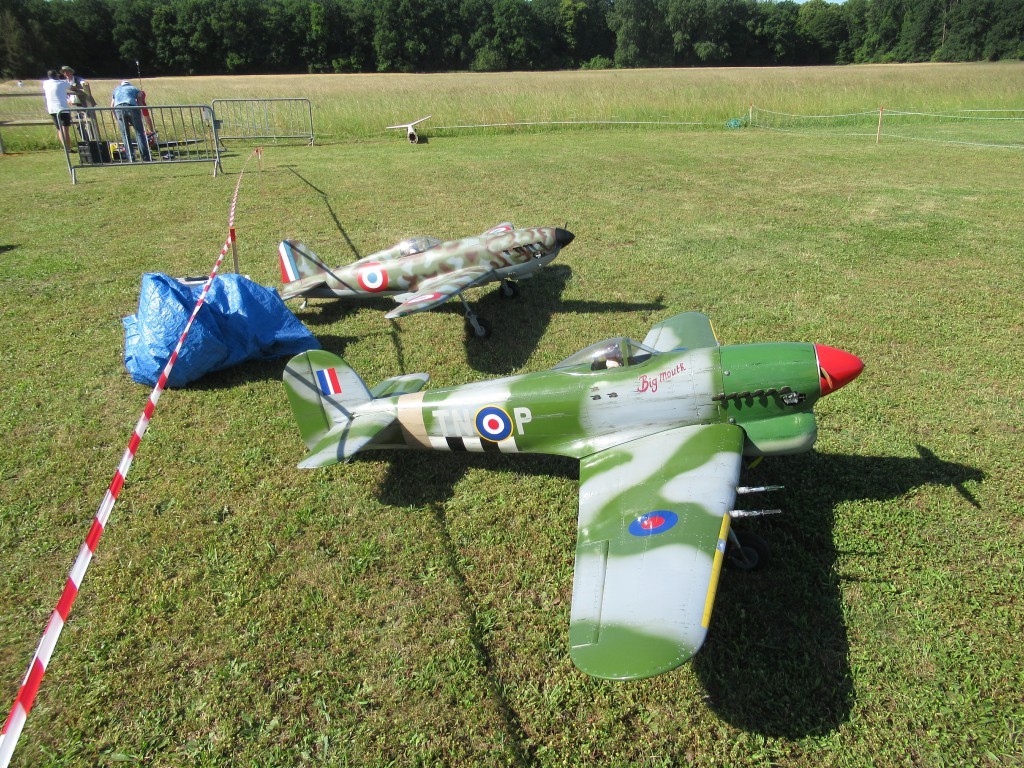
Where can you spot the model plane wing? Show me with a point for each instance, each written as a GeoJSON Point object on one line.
{"type": "Point", "coordinates": [438, 290]}
{"type": "Point", "coordinates": [688, 330]}
{"type": "Point", "coordinates": [650, 541]}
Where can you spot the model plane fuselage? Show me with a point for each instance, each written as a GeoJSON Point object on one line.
{"type": "Point", "coordinates": [404, 267]}
{"type": "Point", "coordinates": [659, 428]}
{"type": "Point", "coordinates": [576, 410]}
{"type": "Point", "coordinates": [422, 273]}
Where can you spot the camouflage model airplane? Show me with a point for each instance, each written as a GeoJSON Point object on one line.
{"type": "Point", "coordinates": [659, 428]}
{"type": "Point", "coordinates": [422, 272]}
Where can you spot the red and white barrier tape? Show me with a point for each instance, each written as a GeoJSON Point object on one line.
{"type": "Point", "coordinates": [30, 685]}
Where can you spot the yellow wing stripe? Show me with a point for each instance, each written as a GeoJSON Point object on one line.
{"type": "Point", "coordinates": [716, 569]}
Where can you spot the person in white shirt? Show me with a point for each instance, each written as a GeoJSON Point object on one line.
{"type": "Point", "coordinates": [55, 89]}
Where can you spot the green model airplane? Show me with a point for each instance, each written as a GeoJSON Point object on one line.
{"type": "Point", "coordinates": [659, 428]}
{"type": "Point", "coordinates": [421, 273]}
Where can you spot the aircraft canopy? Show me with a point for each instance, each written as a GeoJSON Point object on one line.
{"type": "Point", "coordinates": [611, 353]}
{"type": "Point", "coordinates": [413, 245]}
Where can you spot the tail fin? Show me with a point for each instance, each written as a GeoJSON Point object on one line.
{"type": "Point", "coordinates": [327, 397]}
{"type": "Point", "coordinates": [297, 261]}
{"type": "Point", "coordinates": [323, 391]}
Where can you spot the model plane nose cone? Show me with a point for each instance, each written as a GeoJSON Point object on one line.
{"type": "Point", "coordinates": [563, 237]}
{"type": "Point", "coordinates": [836, 368]}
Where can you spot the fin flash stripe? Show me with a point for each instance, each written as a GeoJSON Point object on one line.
{"type": "Point", "coordinates": [289, 272]}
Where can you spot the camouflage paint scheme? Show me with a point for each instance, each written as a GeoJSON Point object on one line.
{"type": "Point", "coordinates": [422, 272]}
{"type": "Point", "coordinates": [659, 428]}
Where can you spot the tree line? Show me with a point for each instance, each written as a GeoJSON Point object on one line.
{"type": "Point", "coordinates": [195, 37]}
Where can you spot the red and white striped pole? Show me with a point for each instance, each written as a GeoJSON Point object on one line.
{"type": "Point", "coordinates": [30, 685]}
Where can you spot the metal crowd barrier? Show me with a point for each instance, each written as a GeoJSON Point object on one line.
{"type": "Point", "coordinates": [264, 119]}
{"type": "Point", "coordinates": [125, 136]}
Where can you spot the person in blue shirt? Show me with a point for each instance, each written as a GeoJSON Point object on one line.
{"type": "Point", "coordinates": [125, 101]}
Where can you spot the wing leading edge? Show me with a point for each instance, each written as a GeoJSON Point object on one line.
{"type": "Point", "coordinates": [650, 541]}
{"type": "Point", "coordinates": [438, 290]}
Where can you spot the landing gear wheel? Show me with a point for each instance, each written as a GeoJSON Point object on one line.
{"type": "Point", "coordinates": [747, 551]}
{"type": "Point", "coordinates": [478, 327]}
{"type": "Point", "coordinates": [508, 290]}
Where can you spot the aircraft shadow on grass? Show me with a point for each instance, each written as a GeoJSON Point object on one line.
{"type": "Point", "coordinates": [334, 216]}
{"type": "Point", "coordinates": [776, 659]}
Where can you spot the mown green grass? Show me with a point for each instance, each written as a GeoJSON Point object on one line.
{"type": "Point", "coordinates": [412, 608]}
{"type": "Point", "coordinates": [347, 107]}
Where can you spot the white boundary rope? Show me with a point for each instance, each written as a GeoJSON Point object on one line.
{"type": "Point", "coordinates": [30, 685]}
{"type": "Point", "coordinates": [954, 116]}
{"type": "Point", "coordinates": [563, 122]}
{"type": "Point", "coordinates": [871, 112]}
{"type": "Point", "coordinates": [959, 116]}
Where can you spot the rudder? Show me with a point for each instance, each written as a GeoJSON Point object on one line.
{"type": "Point", "coordinates": [297, 261]}
{"type": "Point", "coordinates": [323, 391]}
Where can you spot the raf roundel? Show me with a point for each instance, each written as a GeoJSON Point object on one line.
{"type": "Point", "coordinates": [373, 278]}
{"type": "Point", "coordinates": [653, 523]}
{"type": "Point", "coordinates": [493, 424]}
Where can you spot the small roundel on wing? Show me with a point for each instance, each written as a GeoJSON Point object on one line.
{"type": "Point", "coordinates": [373, 277]}
{"type": "Point", "coordinates": [653, 523]}
{"type": "Point", "coordinates": [425, 297]}
{"type": "Point", "coordinates": [492, 423]}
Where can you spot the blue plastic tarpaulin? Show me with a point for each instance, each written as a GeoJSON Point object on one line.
{"type": "Point", "coordinates": [239, 321]}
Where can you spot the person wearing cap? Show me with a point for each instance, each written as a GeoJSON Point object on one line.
{"type": "Point", "coordinates": [79, 90]}
{"type": "Point", "coordinates": [125, 101]}
{"type": "Point", "coordinates": [55, 90]}
{"type": "Point", "coordinates": [80, 95]}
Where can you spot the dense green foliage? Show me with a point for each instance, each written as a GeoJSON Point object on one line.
{"type": "Point", "coordinates": [167, 37]}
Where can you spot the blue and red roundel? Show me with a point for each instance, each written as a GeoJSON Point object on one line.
{"type": "Point", "coordinates": [425, 297]}
{"type": "Point", "coordinates": [653, 523]}
{"type": "Point", "coordinates": [372, 277]}
{"type": "Point", "coordinates": [493, 424]}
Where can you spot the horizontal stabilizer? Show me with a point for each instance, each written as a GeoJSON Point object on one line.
{"type": "Point", "coordinates": [401, 385]}
{"type": "Point", "coordinates": [346, 439]}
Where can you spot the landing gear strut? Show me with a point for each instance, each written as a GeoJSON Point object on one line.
{"type": "Point", "coordinates": [508, 290]}
{"type": "Point", "coordinates": [475, 325]}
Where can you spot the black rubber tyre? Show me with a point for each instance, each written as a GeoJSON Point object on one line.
{"type": "Point", "coordinates": [484, 326]}
{"type": "Point", "coordinates": [751, 555]}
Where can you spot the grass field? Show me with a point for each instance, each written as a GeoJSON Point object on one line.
{"type": "Point", "coordinates": [412, 608]}
{"type": "Point", "coordinates": [347, 107]}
